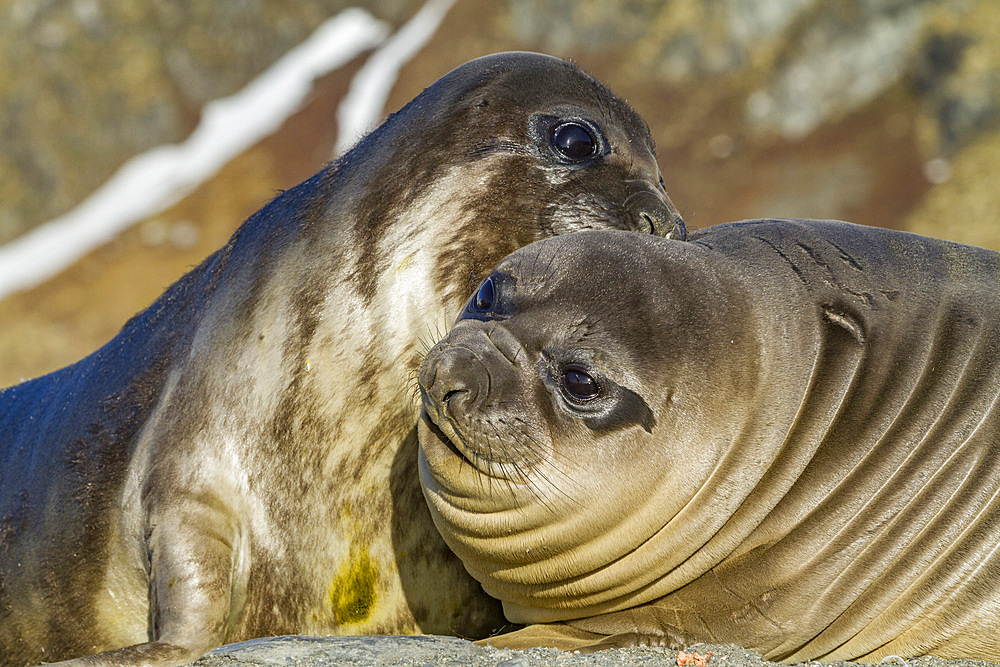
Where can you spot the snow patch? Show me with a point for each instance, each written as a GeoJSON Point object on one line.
{"type": "Point", "coordinates": [361, 109]}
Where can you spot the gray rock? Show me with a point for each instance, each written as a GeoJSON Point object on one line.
{"type": "Point", "coordinates": [433, 650]}
{"type": "Point", "coordinates": [411, 652]}
{"type": "Point", "coordinates": [712, 39]}
{"type": "Point", "coordinates": [964, 100]}
{"type": "Point", "coordinates": [842, 59]}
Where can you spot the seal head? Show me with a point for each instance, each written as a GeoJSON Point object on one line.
{"type": "Point", "coordinates": [780, 434]}
{"type": "Point", "coordinates": [521, 146]}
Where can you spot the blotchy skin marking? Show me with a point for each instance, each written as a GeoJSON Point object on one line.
{"type": "Point", "coordinates": [239, 460]}
{"type": "Point", "coordinates": [821, 480]}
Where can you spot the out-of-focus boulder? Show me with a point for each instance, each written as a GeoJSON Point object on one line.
{"type": "Point", "coordinates": [86, 84]}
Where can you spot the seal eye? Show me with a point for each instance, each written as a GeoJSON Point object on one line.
{"type": "Point", "coordinates": [484, 297]}
{"type": "Point", "coordinates": [579, 385]}
{"type": "Point", "coordinates": [574, 141]}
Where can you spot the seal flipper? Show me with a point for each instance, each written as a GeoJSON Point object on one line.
{"type": "Point", "coordinates": [150, 653]}
{"type": "Point", "coordinates": [194, 554]}
{"type": "Point", "coordinates": [569, 638]}
{"type": "Point", "coordinates": [545, 635]}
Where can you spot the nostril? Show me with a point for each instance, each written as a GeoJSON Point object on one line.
{"type": "Point", "coordinates": [648, 212]}
{"type": "Point", "coordinates": [457, 380]}
{"type": "Point", "coordinates": [448, 395]}
{"type": "Point", "coordinates": [652, 212]}
{"type": "Point", "coordinates": [649, 221]}
{"type": "Point", "coordinates": [456, 402]}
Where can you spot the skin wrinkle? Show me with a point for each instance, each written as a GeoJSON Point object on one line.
{"type": "Point", "coordinates": [845, 613]}
{"type": "Point", "coordinates": [963, 447]}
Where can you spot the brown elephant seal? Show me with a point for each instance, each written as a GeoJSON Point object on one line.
{"type": "Point", "coordinates": [240, 460]}
{"type": "Point", "coordinates": [781, 434]}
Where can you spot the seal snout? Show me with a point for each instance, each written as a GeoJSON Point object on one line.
{"type": "Point", "coordinates": [453, 380]}
{"type": "Point", "coordinates": [653, 213]}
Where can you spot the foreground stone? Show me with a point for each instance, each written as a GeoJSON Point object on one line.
{"type": "Point", "coordinates": [433, 650]}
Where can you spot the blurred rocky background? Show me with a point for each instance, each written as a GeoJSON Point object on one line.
{"type": "Point", "coordinates": [883, 112]}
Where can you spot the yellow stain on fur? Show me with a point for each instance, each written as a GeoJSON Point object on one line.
{"type": "Point", "coordinates": [352, 593]}
{"type": "Point", "coordinates": [406, 262]}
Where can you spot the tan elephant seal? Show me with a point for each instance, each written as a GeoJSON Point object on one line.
{"type": "Point", "coordinates": [240, 460]}
{"type": "Point", "coordinates": [781, 434]}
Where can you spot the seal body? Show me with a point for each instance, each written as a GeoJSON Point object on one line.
{"type": "Point", "coordinates": [239, 460]}
{"type": "Point", "coordinates": [781, 434]}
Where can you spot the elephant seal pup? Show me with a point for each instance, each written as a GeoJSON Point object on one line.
{"type": "Point", "coordinates": [240, 460]}
{"type": "Point", "coordinates": [781, 435]}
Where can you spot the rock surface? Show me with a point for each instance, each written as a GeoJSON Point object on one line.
{"type": "Point", "coordinates": [432, 650]}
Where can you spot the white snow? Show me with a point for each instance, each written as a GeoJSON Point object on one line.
{"type": "Point", "coordinates": [361, 109]}
{"type": "Point", "coordinates": [152, 181]}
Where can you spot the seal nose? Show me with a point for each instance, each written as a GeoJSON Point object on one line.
{"type": "Point", "coordinates": [653, 212]}
{"type": "Point", "coordinates": [453, 379]}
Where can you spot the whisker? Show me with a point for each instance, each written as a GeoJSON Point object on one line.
{"type": "Point", "coordinates": [559, 458]}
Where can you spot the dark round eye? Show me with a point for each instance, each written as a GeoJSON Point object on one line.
{"type": "Point", "coordinates": [580, 386]}
{"type": "Point", "coordinates": [574, 141]}
{"type": "Point", "coordinates": [484, 297]}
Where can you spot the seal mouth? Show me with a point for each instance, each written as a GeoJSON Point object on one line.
{"type": "Point", "coordinates": [442, 427]}
{"type": "Point", "coordinates": [441, 435]}
{"type": "Point", "coordinates": [480, 461]}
